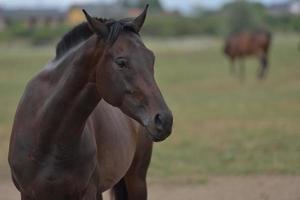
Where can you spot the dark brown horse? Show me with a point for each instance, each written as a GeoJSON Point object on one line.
{"type": "Point", "coordinates": [243, 44]}
{"type": "Point", "coordinates": [87, 121]}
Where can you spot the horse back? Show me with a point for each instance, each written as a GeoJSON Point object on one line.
{"type": "Point", "coordinates": [263, 40]}
{"type": "Point", "coordinates": [247, 43]}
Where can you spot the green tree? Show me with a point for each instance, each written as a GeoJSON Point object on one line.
{"type": "Point", "coordinates": [154, 4]}
{"type": "Point", "coordinates": [244, 15]}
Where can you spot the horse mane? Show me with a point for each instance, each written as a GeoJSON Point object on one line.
{"type": "Point", "coordinates": [82, 32]}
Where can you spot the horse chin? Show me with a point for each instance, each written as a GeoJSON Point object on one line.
{"type": "Point", "coordinates": [152, 133]}
{"type": "Point", "coordinates": [156, 136]}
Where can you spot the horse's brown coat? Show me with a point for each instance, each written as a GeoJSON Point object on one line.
{"type": "Point", "coordinates": [85, 121]}
{"type": "Point", "coordinates": [243, 44]}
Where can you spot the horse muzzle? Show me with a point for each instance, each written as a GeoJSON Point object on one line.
{"type": "Point", "coordinates": [161, 126]}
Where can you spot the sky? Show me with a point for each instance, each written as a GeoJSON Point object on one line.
{"type": "Point", "coordinates": [183, 5]}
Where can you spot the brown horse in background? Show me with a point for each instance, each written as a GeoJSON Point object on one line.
{"type": "Point", "coordinates": [87, 121]}
{"type": "Point", "coordinates": [243, 44]}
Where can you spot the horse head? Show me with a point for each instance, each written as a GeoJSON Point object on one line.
{"type": "Point", "coordinates": [125, 74]}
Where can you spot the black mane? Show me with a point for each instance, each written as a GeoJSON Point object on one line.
{"type": "Point", "coordinates": [82, 32]}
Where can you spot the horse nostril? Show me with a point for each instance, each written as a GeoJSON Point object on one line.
{"type": "Point", "coordinates": [158, 122]}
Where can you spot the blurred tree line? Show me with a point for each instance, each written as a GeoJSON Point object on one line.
{"type": "Point", "coordinates": [239, 15]}
{"type": "Point", "coordinates": [154, 4]}
{"type": "Point", "coordinates": [235, 16]}
{"type": "Point", "coordinates": [36, 36]}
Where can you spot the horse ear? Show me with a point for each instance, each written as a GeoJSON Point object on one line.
{"type": "Point", "coordinates": [138, 22]}
{"type": "Point", "coordinates": [96, 25]}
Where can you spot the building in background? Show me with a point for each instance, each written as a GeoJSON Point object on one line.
{"type": "Point", "coordinates": [120, 9]}
{"type": "Point", "coordinates": [113, 10]}
{"type": "Point", "coordinates": [290, 7]}
{"type": "Point", "coordinates": [32, 18]}
{"type": "Point", "coordinates": [73, 15]}
{"type": "Point", "coordinates": [295, 8]}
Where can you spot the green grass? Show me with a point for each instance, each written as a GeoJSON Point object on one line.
{"type": "Point", "coordinates": [221, 125]}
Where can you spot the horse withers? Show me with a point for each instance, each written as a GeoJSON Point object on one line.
{"type": "Point", "coordinates": [243, 44]}
{"type": "Point", "coordinates": [86, 123]}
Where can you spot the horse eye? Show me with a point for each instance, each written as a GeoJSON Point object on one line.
{"type": "Point", "coordinates": [121, 62]}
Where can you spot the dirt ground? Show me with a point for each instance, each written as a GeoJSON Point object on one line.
{"type": "Point", "coordinates": [217, 188]}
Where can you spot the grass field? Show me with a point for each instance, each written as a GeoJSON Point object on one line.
{"type": "Point", "coordinates": [221, 126]}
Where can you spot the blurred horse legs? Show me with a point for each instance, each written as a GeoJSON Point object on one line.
{"type": "Point", "coordinates": [244, 44]}
{"type": "Point", "coordinates": [263, 67]}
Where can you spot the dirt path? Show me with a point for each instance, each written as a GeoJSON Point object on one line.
{"type": "Point", "coordinates": [217, 188]}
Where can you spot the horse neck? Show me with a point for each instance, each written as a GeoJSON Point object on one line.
{"type": "Point", "coordinates": [74, 97]}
